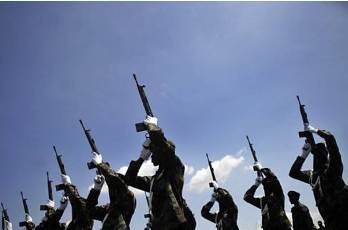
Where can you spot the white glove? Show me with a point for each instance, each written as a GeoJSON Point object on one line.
{"type": "Point", "coordinates": [150, 120]}
{"type": "Point", "coordinates": [257, 166]}
{"type": "Point", "coordinates": [8, 225]}
{"type": "Point", "coordinates": [258, 181]}
{"type": "Point", "coordinates": [50, 203]}
{"type": "Point", "coordinates": [63, 203]}
{"type": "Point", "coordinates": [215, 184]}
{"type": "Point", "coordinates": [145, 154]}
{"type": "Point", "coordinates": [28, 218]}
{"type": "Point", "coordinates": [66, 179]}
{"type": "Point", "coordinates": [147, 143]}
{"type": "Point", "coordinates": [97, 158]}
{"type": "Point", "coordinates": [213, 197]}
{"type": "Point", "coordinates": [308, 127]}
{"type": "Point", "coordinates": [98, 182]}
{"type": "Point", "coordinates": [306, 149]}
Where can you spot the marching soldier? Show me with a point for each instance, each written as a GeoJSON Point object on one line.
{"type": "Point", "coordinates": [52, 216]}
{"type": "Point", "coordinates": [329, 188]}
{"type": "Point", "coordinates": [272, 204]}
{"type": "Point", "coordinates": [165, 187]}
{"type": "Point", "coordinates": [301, 218]}
{"type": "Point", "coordinates": [122, 201]}
{"type": "Point", "coordinates": [226, 218]}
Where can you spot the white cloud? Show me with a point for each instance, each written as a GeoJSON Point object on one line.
{"type": "Point", "coordinates": [222, 168]}
{"type": "Point", "coordinates": [189, 170]}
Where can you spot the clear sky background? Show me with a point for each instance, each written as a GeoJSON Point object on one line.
{"type": "Point", "coordinates": [214, 73]}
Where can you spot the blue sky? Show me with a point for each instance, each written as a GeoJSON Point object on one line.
{"type": "Point", "coordinates": [214, 73]}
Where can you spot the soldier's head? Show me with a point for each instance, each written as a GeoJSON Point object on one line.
{"type": "Point", "coordinates": [158, 152]}
{"type": "Point", "coordinates": [320, 157]}
{"type": "Point", "coordinates": [270, 182]}
{"type": "Point", "coordinates": [294, 197]}
{"type": "Point", "coordinates": [224, 199]}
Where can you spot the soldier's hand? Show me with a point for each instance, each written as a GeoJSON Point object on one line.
{"type": "Point", "coordinates": [258, 181]}
{"type": "Point", "coordinates": [97, 158]}
{"type": "Point", "coordinates": [99, 182]}
{"type": "Point", "coordinates": [257, 166]}
{"type": "Point", "coordinates": [214, 184]}
{"type": "Point", "coordinates": [28, 218]}
{"type": "Point", "coordinates": [151, 121]}
{"type": "Point", "coordinates": [50, 203]}
{"type": "Point", "coordinates": [63, 203]}
{"type": "Point", "coordinates": [306, 149]}
{"type": "Point", "coordinates": [8, 225]}
{"type": "Point", "coordinates": [308, 127]}
{"type": "Point", "coordinates": [66, 179]}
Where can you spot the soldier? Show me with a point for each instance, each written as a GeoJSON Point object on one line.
{"type": "Point", "coordinates": [82, 209]}
{"type": "Point", "coordinates": [301, 218]}
{"type": "Point", "coordinates": [52, 216]}
{"type": "Point", "coordinates": [226, 218]}
{"type": "Point", "coordinates": [165, 187]}
{"type": "Point", "coordinates": [330, 191]}
{"type": "Point", "coordinates": [122, 201]}
{"type": "Point", "coordinates": [272, 204]}
{"type": "Point", "coordinates": [321, 226]}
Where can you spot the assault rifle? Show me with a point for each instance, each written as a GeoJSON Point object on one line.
{"type": "Point", "coordinates": [50, 193]}
{"type": "Point", "coordinates": [141, 126]}
{"type": "Point", "coordinates": [60, 187]}
{"type": "Point", "coordinates": [91, 142]}
{"type": "Point", "coordinates": [4, 216]}
{"type": "Point", "coordinates": [253, 152]}
{"type": "Point", "coordinates": [148, 215]}
{"type": "Point", "coordinates": [305, 134]}
{"type": "Point", "coordinates": [211, 171]}
{"type": "Point", "coordinates": [26, 210]}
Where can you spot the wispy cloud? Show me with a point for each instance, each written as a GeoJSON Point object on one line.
{"type": "Point", "coordinates": [223, 169]}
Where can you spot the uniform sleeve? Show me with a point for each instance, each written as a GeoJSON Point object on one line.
{"type": "Point", "coordinates": [113, 179]}
{"type": "Point", "coordinates": [132, 178]}
{"type": "Point", "coordinates": [249, 197]}
{"type": "Point", "coordinates": [296, 173]}
{"type": "Point", "coordinates": [336, 165]}
{"type": "Point", "coordinates": [99, 212]}
{"type": "Point", "coordinates": [92, 198]}
{"type": "Point", "coordinates": [158, 138]}
{"type": "Point", "coordinates": [205, 212]}
{"type": "Point", "coordinates": [56, 216]}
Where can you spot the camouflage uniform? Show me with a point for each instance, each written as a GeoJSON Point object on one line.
{"type": "Point", "coordinates": [226, 218]}
{"type": "Point", "coordinates": [301, 218]}
{"type": "Point", "coordinates": [122, 201]}
{"type": "Point", "coordinates": [82, 209]}
{"type": "Point", "coordinates": [51, 222]}
{"type": "Point", "coordinates": [165, 186]}
{"type": "Point", "coordinates": [271, 205]}
{"type": "Point", "coordinates": [330, 191]}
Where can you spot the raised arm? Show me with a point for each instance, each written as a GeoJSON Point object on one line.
{"type": "Point", "coordinates": [250, 193]}
{"type": "Point", "coordinates": [336, 165]}
{"type": "Point", "coordinates": [295, 171]}
{"type": "Point", "coordinates": [205, 212]}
